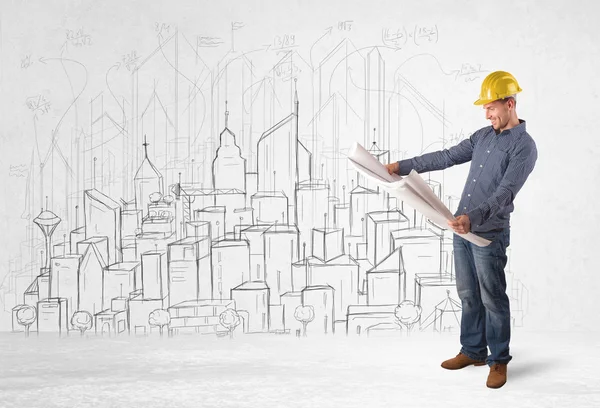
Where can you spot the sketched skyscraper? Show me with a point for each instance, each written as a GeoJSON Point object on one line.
{"type": "Point", "coordinates": [229, 167]}
{"type": "Point", "coordinates": [47, 221]}
{"type": "Point", "coordinates": [103, 219]}
{"type": "Point", "coordinates": [277, 158]}
{"type": "Point", "coordinates": [147, 180]}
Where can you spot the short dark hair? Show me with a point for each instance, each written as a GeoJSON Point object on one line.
{"type": "Point", "coordinates": [513, 97]}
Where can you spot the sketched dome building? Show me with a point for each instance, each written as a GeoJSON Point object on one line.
{"type": "Point", "coordinates": [228, 167]}
{"type": "Point", "coordinates": [147, 180]}
{"type": "Point", "coordinates": [47, 221]}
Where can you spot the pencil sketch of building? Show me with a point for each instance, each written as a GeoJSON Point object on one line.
{"type": "Point", "coordinates": [206, 180]}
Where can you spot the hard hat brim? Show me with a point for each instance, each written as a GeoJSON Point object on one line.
{"type": "Point", "coordinates": [486, 101]}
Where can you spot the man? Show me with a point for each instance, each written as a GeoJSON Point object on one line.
{"type": "Point", "coordinates": [502, 157]}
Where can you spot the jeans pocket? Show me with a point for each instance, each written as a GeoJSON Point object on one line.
{"type": "Point", "coordinates": [499, 241]}
{"type": "Point", "coordinates": [490, 235]}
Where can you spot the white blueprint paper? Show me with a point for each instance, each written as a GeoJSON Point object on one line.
{"type": "Point", "coordinates": [412, 189]}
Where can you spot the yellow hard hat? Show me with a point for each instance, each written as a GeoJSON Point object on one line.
{"type": "Point", "coordinates": [497, 85]}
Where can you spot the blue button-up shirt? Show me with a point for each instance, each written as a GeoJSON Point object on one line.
{"type": "Point", "coordinates": [500, 165]}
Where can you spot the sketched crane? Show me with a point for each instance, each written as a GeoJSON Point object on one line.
{"type": "Point", "coordinates": [188, 193]}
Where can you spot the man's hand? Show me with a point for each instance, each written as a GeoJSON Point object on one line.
{"type": "Point", "coordinates": [461, 225]}
{"type": "Point", "coordinates": [393, 168]}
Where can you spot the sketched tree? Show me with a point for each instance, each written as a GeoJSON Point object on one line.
{"type": "Point", "coordinates": [229, 319]}
{"type": "Point", "coordinates": [155, 197]}
{"type": "Point", "coordinates": [305, 315]}
{"type": "Point", "coordinates": [168, 199]}
{"type": "Point", "coordinates": [26, 315]}
{"type": "Point", "coordinates": [82, 321]}
{"type": "Point", "coordinates": [159, 318]}
{"type": "Point", "coordinates": [407, 314]}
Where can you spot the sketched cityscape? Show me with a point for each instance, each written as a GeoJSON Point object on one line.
{"type": "Point", "coordinates": [218, 200]}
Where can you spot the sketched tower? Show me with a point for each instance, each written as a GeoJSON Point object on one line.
{"type": "Point", "coordinates": [228, 167]}
{"type": "Point", "coordinates": [47, 221]}
{"type": "Point", "coordinates": [147, 180]}
{"type": "Point", "coordinates": [277, 158]}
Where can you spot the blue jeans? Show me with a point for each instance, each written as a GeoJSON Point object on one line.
{"type": "Point", "coordinates": [481, 287]}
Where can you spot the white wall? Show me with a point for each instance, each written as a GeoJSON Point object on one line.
{"type": "Point", "coordinates": [551, 47]}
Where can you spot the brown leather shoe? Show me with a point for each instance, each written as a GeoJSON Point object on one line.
{"type": "Point", "coordinates": [461, 361]}
{"type": "Point", "coordinates": [497, 376]}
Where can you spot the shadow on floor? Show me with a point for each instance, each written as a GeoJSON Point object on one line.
{"type": "Point", "coordinates": [526, 369]}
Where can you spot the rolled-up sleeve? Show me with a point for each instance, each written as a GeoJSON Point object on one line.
{"type": "Point", "coordinates": [440, 160]}
{"type": "Point", "coordinates": [517, 172]}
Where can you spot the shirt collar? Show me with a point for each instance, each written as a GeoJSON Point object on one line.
{"type": "Point", "coordinates": [517, 130]}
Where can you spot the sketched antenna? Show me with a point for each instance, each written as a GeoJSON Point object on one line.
{"type": "Point", "coordinates": [76, 217]}
{"type": "Point", "coordinates": [374, 147]}
{"type": "Point", "coordinates": [47, 221]}
{"type": "Point", "coordinates": [94, 173]}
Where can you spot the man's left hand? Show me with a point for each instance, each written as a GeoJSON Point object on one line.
{"type": "Point", "coordinates": [461, 225]}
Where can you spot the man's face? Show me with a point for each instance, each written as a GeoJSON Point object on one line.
{"type": "Point", "coordinates": [498, 112]}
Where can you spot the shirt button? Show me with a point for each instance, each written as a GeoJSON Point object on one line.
{"type": "Point", "coordinates": [465, 208]}
{"type": "Point", "coordinates": [488, 151]}
{"type": "Point", "coordinates": [473, 180]}
{"type": "Point", "coordinates": [468, 195]}
{"type": "Point", "coordinates": [481, 165]}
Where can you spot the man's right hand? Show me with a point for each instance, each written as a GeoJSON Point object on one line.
{"type": "Point", "coordinates": [393, 168]}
